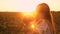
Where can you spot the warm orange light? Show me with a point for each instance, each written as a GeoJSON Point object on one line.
{"type": "Point", "coordinates": [29, 14]}
{"type": "Point", "coordinates": [33, 26]}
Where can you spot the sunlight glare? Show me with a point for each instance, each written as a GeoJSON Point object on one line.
{"type": "Point", "coordinates": [29, 14]}
{"type": "Point", "coordinates": [33, 26]}
{"type": "Point", "coordinates": [19, 5]}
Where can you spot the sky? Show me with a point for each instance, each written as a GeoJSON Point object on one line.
{"type": "Point", "coordinates": [27, 5]}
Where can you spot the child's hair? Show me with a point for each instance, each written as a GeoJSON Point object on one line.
{"type": "Point", "coordinates": [45, 10]}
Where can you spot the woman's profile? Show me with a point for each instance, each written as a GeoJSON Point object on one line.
{"type": "Point", "coordinates": [45, 19]}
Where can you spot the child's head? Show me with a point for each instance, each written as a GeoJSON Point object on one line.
{"type": "Point", "coordinates": [43, 11]}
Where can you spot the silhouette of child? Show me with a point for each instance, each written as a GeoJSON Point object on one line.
{"type": "Point", "coordinates": [44, 19]}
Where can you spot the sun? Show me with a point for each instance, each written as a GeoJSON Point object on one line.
{"type": "Point", "coordinates": [32, 14]}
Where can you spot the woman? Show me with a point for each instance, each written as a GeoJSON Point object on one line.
{"type": "Point", "coordinates": [44, 19]}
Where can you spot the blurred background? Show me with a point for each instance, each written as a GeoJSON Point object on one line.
{"type": "Point", "coordinates": [10, 22]}
{"type": "Point", "coordinates": [10, 14]}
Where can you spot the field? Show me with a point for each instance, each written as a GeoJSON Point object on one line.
{"type": "Point", "coordinates": [56, 16]}
{"type": "Point", "coordinates": [9, 22]}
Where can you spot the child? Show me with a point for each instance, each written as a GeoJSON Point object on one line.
{"type": "Point", "coordinates": [44, 19]}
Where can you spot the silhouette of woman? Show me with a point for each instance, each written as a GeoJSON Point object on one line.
{"type": "Point", "coordinates": [45, 20]}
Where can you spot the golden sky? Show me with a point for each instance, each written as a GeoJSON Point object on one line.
{"type": "Point", "coordinates": [27, 5]}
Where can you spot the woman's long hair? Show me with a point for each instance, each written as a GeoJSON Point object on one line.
{"type": "Point", "coordinates": [45, 10]}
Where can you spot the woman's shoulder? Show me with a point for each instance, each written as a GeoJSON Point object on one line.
{"type": "Point", "coordinates": [43, 21]}
{"type": "Point", "coordinates": [43, 24]}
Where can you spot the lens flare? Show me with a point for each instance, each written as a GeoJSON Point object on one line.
{"type": "Point", "coordinates": [33, 26]}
